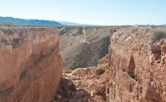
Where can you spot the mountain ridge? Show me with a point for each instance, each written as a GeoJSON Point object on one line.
{"type": "Point", "coordinates": [35, 22]}
{"type": "Point", "coordinates": [19, 21]}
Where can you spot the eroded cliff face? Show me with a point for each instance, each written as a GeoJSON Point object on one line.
{"type": "Point", "coordinates": [134, 70]}
{"type": "Point", "coordinates": [30, 64]}
{"type": "Point", "coordinates": [138, 67]}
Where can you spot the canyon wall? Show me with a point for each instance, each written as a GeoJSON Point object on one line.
{"type": "Point", "coordinates": [30, 64]}
{"type": "Point", "coordinates": [84, 45]}
{"type": "Point", "coordinates": [138, 67]}
{"type": "Point", "coordinates": [134, 70]}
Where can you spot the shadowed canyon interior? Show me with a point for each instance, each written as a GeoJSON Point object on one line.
{"type": "Point", "coordinates": [98, 64]}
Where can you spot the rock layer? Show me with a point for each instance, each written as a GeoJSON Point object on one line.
{"type": "Point", "coordinates": [138, 68]}
{"type": "Point", "coordinates": [30, 64]}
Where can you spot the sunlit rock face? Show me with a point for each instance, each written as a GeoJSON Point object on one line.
{"type": "Point", "coordinates": [138, 68]}
{"type": "Point", "coordinates": [30, 64]}
{"type": "Point", "coordinates": [134, 70]}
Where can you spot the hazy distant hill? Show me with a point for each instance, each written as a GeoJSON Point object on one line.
{"type": "Point", "coordinates": [70, 23]}
{"type": "Point", "coordinates": [19, 21]}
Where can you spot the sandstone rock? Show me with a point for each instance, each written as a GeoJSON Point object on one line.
{"type": "Point", "coordinates": [30, 64]}
{"type": "Point", "coordinates": [88, 85]}
{"type": "Point", "coordinates": [134, 79]}
{"type": "Point", "coordinates": [126, 73]}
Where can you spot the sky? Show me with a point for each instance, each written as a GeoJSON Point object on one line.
{"type": "Point", "coordinates": [98, 12]}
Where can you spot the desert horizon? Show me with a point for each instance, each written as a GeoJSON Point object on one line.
{"type": "Point", "coordinates": [82, 51]}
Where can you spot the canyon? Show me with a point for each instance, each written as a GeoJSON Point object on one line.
{"type": "Point", "coordinates": [107, 64]}
{"type": "Point", "coordinates": [133, 71]}
{"type": "Point", "coordinates": [84, 45]}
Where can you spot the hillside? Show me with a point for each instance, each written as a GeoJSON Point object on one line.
{"type": "Point", "coordinates": [36, 22]}
{"type": "Point", "coordinates": [84, 45]}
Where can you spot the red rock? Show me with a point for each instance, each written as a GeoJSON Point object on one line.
{"type": "Point", "coordinates": [30, 64]}
{"type": "Point", "coordinates": [134, 79]}
{"type": "Point", "coordinates": [126, 74]}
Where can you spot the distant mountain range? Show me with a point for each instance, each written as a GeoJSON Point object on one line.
{"type": "Point", "coordinates": [35, 22]}
{"type": "Point", "coordinates": [66, 23]}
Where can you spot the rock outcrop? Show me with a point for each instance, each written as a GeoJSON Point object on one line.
{"type": "Point", "coordinates": [137, 65]}
{"type": "Point", "coordinates": [30, 64]}
{"type": "Point", "coordinates": [84, 85]}
{"type": "Point", "coordinates": [134, 70]}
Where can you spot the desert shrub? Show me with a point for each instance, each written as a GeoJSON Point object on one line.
{"type": "Point", "coordinates": [7, 24]}
{"type": "Point", "coordinates": [157, 36]}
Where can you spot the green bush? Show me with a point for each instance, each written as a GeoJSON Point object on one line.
{"type": "Point", "coordinates": [157, 36]}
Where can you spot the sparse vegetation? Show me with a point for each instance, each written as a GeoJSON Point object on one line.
{"type": "Point", "coordinates": [7, 24]}
{"type": "Point", "coordinates": [158, 35]}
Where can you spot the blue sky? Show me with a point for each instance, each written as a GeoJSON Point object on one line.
{"type": "Point", "coordinates": [101, 12]}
